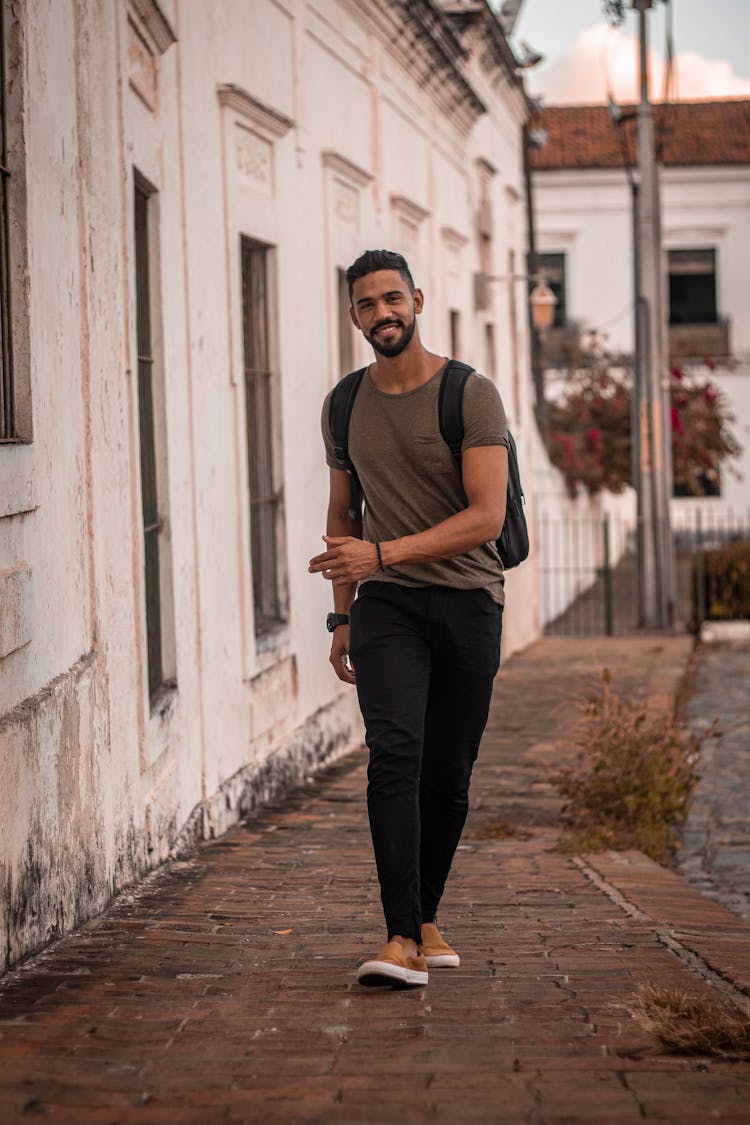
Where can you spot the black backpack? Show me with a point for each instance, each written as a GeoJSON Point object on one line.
{"type": "Point", "coordinates": [513, 543]}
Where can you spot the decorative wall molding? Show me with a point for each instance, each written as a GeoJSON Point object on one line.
{"type": "Point", "coordinates": [453, 238]}
{"type": "Point", "coordinates": [407, 209]}
{"type": "Point", "coordinates": [347, 170]}
{"type": "Point", "coordinates": [253, 157]}
{"type": "Point", "coordinates": [15, 598]}
{"type": "Point", "coordinates": [270, 121]}
{"type": "Point", "coordinates": [159, 29]}
{"type": "Point", "coordinates": [143, 72]}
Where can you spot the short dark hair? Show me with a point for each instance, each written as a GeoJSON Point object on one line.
{"type": "Point", "coordinates": [372, 261]}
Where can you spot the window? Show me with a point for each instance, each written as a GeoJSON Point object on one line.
{"type": "Point", "coordinates": [455, 332]}
{"type": "Point", "coordinates": [266, 492]}
{"type": "Point", "coordinates": [552, 268]}
{"type": "Point", "coordinates": [490, 351]}
{"type": "Point", "coordinates": [7, 425]}
{"type": "Point", "coordinates": [346, 328]}
{"type": "Point", "coordinates": [146, 417]}
{"type": "Point", "coordinates": [15, 375]}
{"type": "Point", "coordinates": [692, 287]}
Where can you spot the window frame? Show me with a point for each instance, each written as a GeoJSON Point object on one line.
{"type": "Point", "coordinates": [265, 487]}
{"type": "Point", "coordinates": [15, 375]}
{"type": "Point", "coordinates": [674, 271]}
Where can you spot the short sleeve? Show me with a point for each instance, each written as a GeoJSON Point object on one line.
{"type": "Point", "coordinates": [331, 459]}
{"type": "Point", "coordinates": [485, 422]}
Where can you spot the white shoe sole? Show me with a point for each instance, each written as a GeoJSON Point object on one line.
{"type": "Point", "coordinates": [443, 961]}
{"type": "Point", "coordinates": [374, 973]}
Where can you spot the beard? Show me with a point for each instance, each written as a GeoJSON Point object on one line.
{"type": "Point", "coordinates": [393, 347]}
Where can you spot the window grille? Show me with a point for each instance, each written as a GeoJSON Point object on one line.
{"type": "Point", "coordinates": [692, 287]}
{"type": "Point", "coordinates": [346, 328]}
{"type": "Point", "coordinates": [149, 489]}
{"type": "Point", "coordinates": [454, 332]}
{"type": "Point", "coordinates": [7, 421]}
{"type": "Point", "coordinates": [266, 499]}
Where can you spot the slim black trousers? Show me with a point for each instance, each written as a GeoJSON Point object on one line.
{"type": "Point", "coordinates": [425, 660]}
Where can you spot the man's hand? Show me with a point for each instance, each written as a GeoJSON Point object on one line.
{"type": "Point", "coordinates": [347, 560]}
{"type": "Point", "coordinates": [339, 657]}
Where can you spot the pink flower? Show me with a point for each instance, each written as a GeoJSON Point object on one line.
{"type": "Point", "coordinates": [709, 394]}
{"type": "Point", "coordinates": [677, 373]}
{"type": "Point", "coordinates": [676, 421]}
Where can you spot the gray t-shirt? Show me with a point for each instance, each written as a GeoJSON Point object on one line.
{"type": "Point", "coordinates": [410, 479]}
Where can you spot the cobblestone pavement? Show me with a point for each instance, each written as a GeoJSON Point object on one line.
{"type": "Point", "coordinates": [716, 839]}
{"type": "Point", "coordinates": [222, 990]}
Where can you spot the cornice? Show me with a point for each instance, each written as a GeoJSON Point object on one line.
{"type": "Point", "coordinates": [271, 121]}
{"type": "Point", "coordinates": [420, 35]}
{"type": "Point", "coordinates": [453, 238]}
{"type": "Point", "coordinates": [155, 22]}
{"type": "Point", "coordinates": [350, 171]}
{"type": "Point", "coordinates": [408, 208]}
{"type": "Point", "coordinates": [479, 24]}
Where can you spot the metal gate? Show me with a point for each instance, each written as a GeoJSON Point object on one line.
{"type": "Point", "coordinates": [588, 570]}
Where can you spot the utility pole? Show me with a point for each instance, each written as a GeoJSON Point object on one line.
{"type": "Point", "coordinates": [653, 437]}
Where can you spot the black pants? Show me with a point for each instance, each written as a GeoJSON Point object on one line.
{"type": "Point", "coordinates": [425, 660]}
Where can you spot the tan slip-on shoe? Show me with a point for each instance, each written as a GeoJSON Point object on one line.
{"type": "Point", "coordinates": [437, 953]}
{"type": "Point", "coordinates": [391, 967]}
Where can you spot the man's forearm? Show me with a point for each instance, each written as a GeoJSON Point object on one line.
{"type": "Point", "coordinates": [341, 523]}
{"type": "Point", "coordinates": [446, 540]}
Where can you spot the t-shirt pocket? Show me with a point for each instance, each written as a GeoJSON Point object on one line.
{"type": "Point", "coordinates": [433, 454]}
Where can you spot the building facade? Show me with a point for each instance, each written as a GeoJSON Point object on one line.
{"type": "Point", "coordinates": [184, 183]}
{"type": "Point", "coordinates": [584, 211]}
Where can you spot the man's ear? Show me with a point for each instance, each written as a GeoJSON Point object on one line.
{"type": "Point", "coordinates": [418, 300]}
{"type": "Point", "coordinates": [353, 315]}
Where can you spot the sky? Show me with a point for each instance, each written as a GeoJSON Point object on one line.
{"type": "Point", "coordinates": [584, 56]}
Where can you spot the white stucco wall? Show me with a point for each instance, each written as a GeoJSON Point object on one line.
{"type": "Point", "coordinates": [331, 142]}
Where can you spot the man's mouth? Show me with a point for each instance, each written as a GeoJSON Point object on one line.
{"type": "Point", "coordinates": [387, 329]}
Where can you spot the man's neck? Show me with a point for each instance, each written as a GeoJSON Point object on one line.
{"type": "Point", "coordinates": [407, 371]}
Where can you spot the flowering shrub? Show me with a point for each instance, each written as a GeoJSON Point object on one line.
{"type": "Point", "coordinates": [589, 430]}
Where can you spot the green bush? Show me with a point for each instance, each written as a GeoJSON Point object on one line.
{"type": "Point", "coordinates": [726, 583]}
{"type": "Point", "coordinates": [630, 783]}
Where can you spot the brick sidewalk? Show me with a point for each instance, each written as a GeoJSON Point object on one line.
{"type": "Point", "coordinates": [191, 1003]}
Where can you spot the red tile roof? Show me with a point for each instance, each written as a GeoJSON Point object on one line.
{"type": "Point", "coordinates": [689, 133]}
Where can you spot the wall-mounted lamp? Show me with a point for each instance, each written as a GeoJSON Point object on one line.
{"type": "Point", "coordinates": [541, 299]}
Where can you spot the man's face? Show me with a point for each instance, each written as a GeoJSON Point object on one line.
{"type": "Point", "coordinates": [385, 311]}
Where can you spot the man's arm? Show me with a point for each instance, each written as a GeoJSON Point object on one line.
{"type": "Point", "coordinates": [339, 524]}
{"type": "Point", "coordinates": [484, 471]}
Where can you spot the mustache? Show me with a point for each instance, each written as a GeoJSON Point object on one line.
{"type": "Point", "coordinates": [387, 323]}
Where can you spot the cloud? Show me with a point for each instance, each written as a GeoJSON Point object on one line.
{"type": "Point", "coordinates": [604, 58]}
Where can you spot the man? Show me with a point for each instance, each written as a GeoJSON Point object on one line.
{"type": "Point", "coordinates": [422, 639]}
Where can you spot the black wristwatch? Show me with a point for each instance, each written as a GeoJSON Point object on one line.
{"type": "Point", "coordinates": [333, 620]}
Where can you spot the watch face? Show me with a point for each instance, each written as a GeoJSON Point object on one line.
{"type": "Point", "coordinates": [334, 619]}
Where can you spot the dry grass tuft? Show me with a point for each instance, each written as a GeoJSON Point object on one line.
{"type": "Point", "coordinates": [631, 779]}
{"type": "Point", "coordinates": [689, 1024]}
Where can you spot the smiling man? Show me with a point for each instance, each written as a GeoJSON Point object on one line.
{"type": "Point", "coordinates": [418, 598]}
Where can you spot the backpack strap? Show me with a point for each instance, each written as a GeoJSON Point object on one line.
{"type": "Point", "coordinates": [450, 405]}
{"type": "Point", "coordinates": [339, 415]}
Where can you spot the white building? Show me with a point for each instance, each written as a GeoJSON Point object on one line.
{"type": "Point", "coordinates": [186, 182]}
{"type": "Point", "coordinates": [584, 234]}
